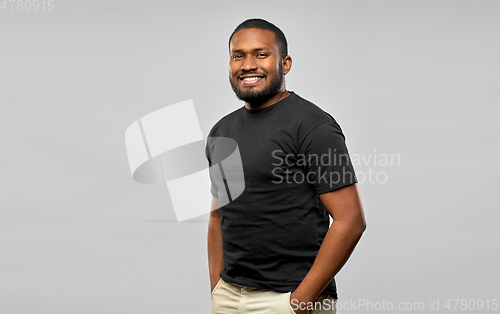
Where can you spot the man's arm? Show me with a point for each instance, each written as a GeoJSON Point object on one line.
{"type": "Point", "coordinates": [344, 205]}
{"type": "Point", "coordinates": [214, 244]}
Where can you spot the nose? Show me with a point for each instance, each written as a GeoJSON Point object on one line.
{"type": "Point", "coordinates": [249, 64]}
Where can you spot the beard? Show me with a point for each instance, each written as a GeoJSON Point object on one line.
{"type": "Point", "coordinates": [258, 97]}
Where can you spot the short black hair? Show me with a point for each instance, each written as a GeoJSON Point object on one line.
{"type": "Point", "coordinates": [263, 24]}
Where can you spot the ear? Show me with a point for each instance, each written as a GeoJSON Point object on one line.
{"type": "Point", "coordinates": [287, 64]}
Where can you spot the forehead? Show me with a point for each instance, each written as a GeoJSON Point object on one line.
{"type": "Point", "coordinates": [247, 39]}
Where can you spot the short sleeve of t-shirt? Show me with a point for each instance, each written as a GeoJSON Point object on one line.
{"type": "Point", "coordinates": [328, 164]}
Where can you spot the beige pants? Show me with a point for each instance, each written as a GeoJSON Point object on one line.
{"type": "Point", "coordinates": [230, 298]}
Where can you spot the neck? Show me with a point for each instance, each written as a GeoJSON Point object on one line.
{"type": "Point", "coordinates": [279, 96]}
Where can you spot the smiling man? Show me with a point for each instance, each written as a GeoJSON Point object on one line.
{"type": "Point", "coordinates": [259, 81]}
{"type": "Point", "coordinates": [272, 249]}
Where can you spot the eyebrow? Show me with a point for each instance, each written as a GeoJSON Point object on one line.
{"type": "Point", "coordinates": [254, 50]}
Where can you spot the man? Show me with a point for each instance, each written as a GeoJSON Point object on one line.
{"type": "Point", "coordinates": [271, 250]}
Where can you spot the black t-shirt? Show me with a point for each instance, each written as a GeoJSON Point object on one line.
{"type": "Point", "coordinates": [291, 152]}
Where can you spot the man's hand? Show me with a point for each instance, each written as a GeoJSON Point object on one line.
{"type": "Point", "coordinates": [214, 245]}
{"type": "Point", "coordinates": [297, 302]}
{"type": "Point", "coordinates": [344, 205]}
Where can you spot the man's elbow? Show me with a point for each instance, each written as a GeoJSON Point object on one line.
{"type": "Point", "coordinates": [359, 226]}
{"type": "Point", "coordinates": [363, 226]}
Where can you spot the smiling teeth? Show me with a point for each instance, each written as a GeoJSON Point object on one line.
{"type": "Point", "coordinates": [251, 78]}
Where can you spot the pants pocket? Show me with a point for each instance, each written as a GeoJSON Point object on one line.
{"type": "Point", "coordinates": [217, 286]}
{"type": "Point", "coordinates": [289, 304]}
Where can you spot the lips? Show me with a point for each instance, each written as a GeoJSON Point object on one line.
{"type": "Point", "coordinates": [250, 79]}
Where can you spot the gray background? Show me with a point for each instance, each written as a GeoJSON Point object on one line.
{"type": "Point", "coordinates": [419, 79]}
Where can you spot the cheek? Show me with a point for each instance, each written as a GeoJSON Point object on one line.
{"type": "Point", "coordinates": [232, 71]}
{"type": "Point", "coordinates": [270, 67]}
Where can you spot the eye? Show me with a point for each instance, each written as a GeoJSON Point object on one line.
{"type": "Point", "coordinates": [261, 55]}
{"type": "Point", "coordinates": [237, 57]}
